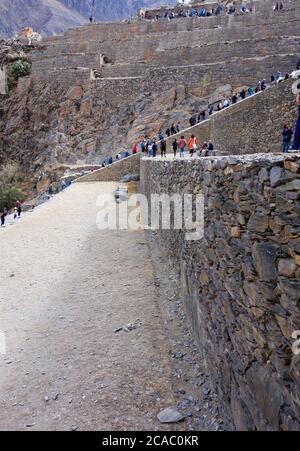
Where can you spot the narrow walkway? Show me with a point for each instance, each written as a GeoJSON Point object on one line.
{"type": "Point", "coordinates": [65, 287]}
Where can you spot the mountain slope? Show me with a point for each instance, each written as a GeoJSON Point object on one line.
{"type": "Point", "coordinates": [111, 9]}
{"type": "Point", "coordinates": [54, 16]}
{"type": "Point", "coordinates": [45, 16]}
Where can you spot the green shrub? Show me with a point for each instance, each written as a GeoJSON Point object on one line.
{"type": "Point", "coordinates": [9, 178]}
{"type": "Point", "coordinates": [9, 196]}
{"type": "Point", "coordinates": [20, 69]}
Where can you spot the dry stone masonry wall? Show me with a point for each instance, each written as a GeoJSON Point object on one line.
{"type": "Point", "coordinates": [255, 123]}
{"type": "Point", "coordinates": [241, 282]}
{"type": "Point", "coordinates": [115, 171]}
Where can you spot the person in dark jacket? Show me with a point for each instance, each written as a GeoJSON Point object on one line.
{"type": "Point", "coordinates": [210, 146]}
{"type": "Point", "coordinates": [154, 148]}
{"type": "Point", "coordinates": [175, 147]}
{"type": "Point", "coordinates": [163, 148]}
{"type": "Point", "coordinates": [3, 214]}
{"type": "Point", "coordinates": [286, 134]}
{"type": "Point", "coordinates": [243, 94]}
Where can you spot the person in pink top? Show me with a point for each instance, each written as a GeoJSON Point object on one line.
{"type": "Point", "coordinates": [182, 145]}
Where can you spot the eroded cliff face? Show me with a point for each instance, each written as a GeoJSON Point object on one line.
{"type": "Point", "coordinates": [55, 16]}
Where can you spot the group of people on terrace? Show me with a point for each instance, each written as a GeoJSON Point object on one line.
{"type": "Point", "coordinates": [275, 78]}
{"type": "Point", "coordinates": [192, 11]}
{"type": "Point", "coordinates": [152, 147]}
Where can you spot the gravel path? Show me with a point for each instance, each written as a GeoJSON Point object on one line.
{"type": "Point", "coordinates": [65, 287]}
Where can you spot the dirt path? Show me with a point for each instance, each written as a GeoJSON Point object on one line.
{"type": "Point", "coordinates": [65, 287]}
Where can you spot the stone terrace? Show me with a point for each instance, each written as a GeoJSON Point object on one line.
{"type": "Point", "coordinates": [202, 52]}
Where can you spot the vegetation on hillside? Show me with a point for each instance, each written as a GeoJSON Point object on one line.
{"type": "Point", "coordinates": [20, 68]}
{"type": "Point", "coordinates": [9, 191]}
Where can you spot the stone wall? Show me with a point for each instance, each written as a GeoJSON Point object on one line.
{"type": "Point", "coordinates": [255, 123]}
{"type": "Point", "coordinates": [243, 48]}
{"type": "Point", "coordinates": [241, 282]}
{"type": "Point", "coordinates": [115, 171]}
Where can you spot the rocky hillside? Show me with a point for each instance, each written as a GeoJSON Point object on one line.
{"type": "Point", "coordinates": [53, 16]}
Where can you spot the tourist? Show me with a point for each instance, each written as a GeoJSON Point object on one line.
{"type": "Point", "coordinates": [175, 146]}
{"type": "Point", "coordinates": [192, 145]}
{"type": "Point", "coordinates": [150, 149]}
{"type": "Point", "coordinates": [226, 103]}
{"type": "Point", "coordinates": [143, 146]}
{"type": "Point", "coordinates": [160, 136]}
{"type": "Point", "coordinates": [173, 130]}
{"type": "Point", "coordinates": [134, 149]}
{"type": "Point", "coordinates": [182, 146]}
{"type": "Point", "coordinates": [296, 142]}
{"type": "Point", "coordinates": [178, 127]}
{"type": "Point", "coordinates": [3, 214]}
{"type": "Point", "coordinates": [110, 160]}
{"type": "Point", "coordinates": [286, 134]}
{"type": "Point", "coordinates": [210, 145]}
{"type": "Point", "coordinates": [63, 185]}
{"type": "Point", "coordinates": [168, 132]}
{"type": "Point", "coordinates": [210, 110]}
{"type": "Point", "coordinates": [234, 98]}
{"type": "Point", "coordinates": [243, 94]}
{"type": "Point", "coordinates": [15, 214]}
{"type": "Point", "coordinates": [154, 148]}
{"type": "Point", "coordinates": [202, 116]}
{"type": "Point", "coordinates": [204, 149]}
{"type": "Point", "coordinates": [250, 91]}
{"type": "Point", "coordinates": [163, 148]}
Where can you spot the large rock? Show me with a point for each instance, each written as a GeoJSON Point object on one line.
{"type": "Point", "coordinates": [170, 415]}
{"type": "Point", "coordinates": [264, 259]}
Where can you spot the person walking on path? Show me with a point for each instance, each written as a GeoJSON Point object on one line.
{"type": "Point", "coordinates": [286, 134]}
{"type": "Point", "coordinates": [19, 208]}
{"type": "Point", "coordinates": [175, 147]}
{"type": "Point", "coordinates": [296, 142]}
{"type": "Point", "coordinates": [3, 214]}
{"type": "Point", "coordinates": [182, 145]}
{"type": "Point", "coordinates": [163, 148]}
{"type": "Point", "coordinates": [192, 145]}
{"type": "Point", "coordinates": [15, 214]}
{"type": "Point", "coordinates": [150, 149]}
{"type": "Point", "coordinates": [154, 149]}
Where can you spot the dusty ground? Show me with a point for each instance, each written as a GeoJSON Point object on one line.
{"type": "Point", "coordinates": [65, 287]}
